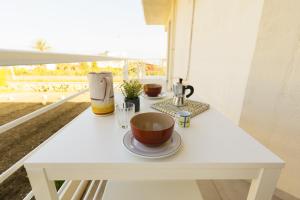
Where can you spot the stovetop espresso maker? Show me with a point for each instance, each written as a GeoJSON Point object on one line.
{"type": "Point", "coordinates": [179, 93]}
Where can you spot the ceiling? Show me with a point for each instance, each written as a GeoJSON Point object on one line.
{"type": "Point", "coordinates": [156, 12]}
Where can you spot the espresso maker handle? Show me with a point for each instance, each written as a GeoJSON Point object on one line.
{"type": "Point", "coordinates": [191, 88]}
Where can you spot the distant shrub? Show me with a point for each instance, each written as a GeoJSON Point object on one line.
{"type": "Point", "coordinates": [82, 69]}
{"type": "Point", "coordinates": [4, 74]}
{"type": "Point", "coordinates": [41, 88]}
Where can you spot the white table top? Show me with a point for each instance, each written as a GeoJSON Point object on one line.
{"type": "Point", "coordinates": [212, 141]}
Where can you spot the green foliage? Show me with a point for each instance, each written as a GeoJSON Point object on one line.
{"type": "Point", "coordinates": [57, 88]}
{"type": "Point", "coordinates": [41, 45]}
{"type": "Point", "coordinates": [4, 74]}
{"type": "Point", "coordinates": [150, 69]}
{"type": "Point", "coordinates": [21, 71]}
{"type": "Point", "coordinates": [154, 70]}
{"type": "Point", "coordinates": [83, 68]}
{"type": "Point", "coordinates": [68, 69]}
{"type": "Point", "coordinates": [61, 88]}
{"type": "Point", "coordinates": [41, 88]}
{"type": "Point", "coordinates": [58, 184]}
{"type": "Point", "coordinates": [40, 70]}
{"type": "Point", "coordinates": [132, 71]}
{"type": "Point", "coordinates": [94, 67]}
{"type": "Point", "coordinates": [131, 89]}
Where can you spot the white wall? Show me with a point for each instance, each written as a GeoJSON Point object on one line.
{"type": "Point", "coordinates": [271, 111]}
{"type": "Point", "coordinates": [245, 58]}
{"type": "Point", "coordinates": [183, 23]}
{"type": "Point", "coordinates": [223, 43]}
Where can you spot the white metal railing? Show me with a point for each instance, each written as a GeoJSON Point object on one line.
{"type": "Point", "coordinates": [26, 118]}
{"type": "Point", "coordinates": [20, 57]}
{"type": "Point", "coordinates": [15, 57]}
{"type": "Point", "coordinates": [28, 196]}
{"type": "Point", "coordinates": [36, 113]}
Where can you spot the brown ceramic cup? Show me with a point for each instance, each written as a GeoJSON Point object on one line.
{"type": "Point", "coordinates": [151, 128]}
{"type": "Point", "coordinates": [152, 89]}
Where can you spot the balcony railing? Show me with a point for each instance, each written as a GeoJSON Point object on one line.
{"type": "Point", "coordinates": [10, 58]}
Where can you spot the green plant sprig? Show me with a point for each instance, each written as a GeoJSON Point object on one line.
{"type": "Point", "coordinates": [131, 89]}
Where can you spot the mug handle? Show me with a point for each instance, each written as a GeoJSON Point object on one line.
{"type": "Point", "coordinates": [191, 88]}
{"type": "Point", "coordinates": [107, 89]}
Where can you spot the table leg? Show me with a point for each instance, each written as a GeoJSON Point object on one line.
{"type": "Point", "coordinates": [263, 187]}
{"type": "Point", "coordinates": [42, 187]}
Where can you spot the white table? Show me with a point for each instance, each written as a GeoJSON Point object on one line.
{"type": "Point", "coordinates": [90, 148]}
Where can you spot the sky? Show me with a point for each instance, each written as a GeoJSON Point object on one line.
{"type": "Point", "coordinates": [81, 26]}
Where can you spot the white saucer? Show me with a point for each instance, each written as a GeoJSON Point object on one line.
{"type": "Point", "coordinates": [167, 149]}
{"type": "Point", "coordinates": [160, 96]}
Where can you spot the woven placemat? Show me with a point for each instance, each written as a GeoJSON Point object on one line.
{"type": "Point", "coordinates": [194, 107]}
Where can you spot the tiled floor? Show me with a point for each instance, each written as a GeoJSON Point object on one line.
{"type": "Point", "coordinates": [225, 190]}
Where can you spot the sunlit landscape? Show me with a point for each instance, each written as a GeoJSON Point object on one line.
{"type": "Point", "coordinates": [150, 99]}
{"type": "Point", "coordinates": [25, 88]}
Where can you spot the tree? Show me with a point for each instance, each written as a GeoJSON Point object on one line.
{"type": "Point", "coordinates": [41, 45]}
{"type": "Point", "coordinates": [84, 68]}
{"type": "Point", "coordinates": [94, 67]}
